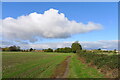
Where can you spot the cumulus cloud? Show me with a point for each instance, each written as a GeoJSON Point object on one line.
{"type": "Point", "coordinates": [50, 24]}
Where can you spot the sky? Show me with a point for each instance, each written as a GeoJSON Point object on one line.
{"type": "Point", "coordinates": [58, 24]}
{"type": "Point", "coordinates": [60, 0]}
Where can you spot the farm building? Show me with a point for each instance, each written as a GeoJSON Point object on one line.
{"type": "Point", "coordinates": [39, 51]}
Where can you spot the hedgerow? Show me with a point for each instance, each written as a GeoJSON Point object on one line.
{"type": "Point", "coordinates": [100, 60]}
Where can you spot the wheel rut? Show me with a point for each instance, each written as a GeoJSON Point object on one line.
{"type": "Point", "coordinates": [62, 69]}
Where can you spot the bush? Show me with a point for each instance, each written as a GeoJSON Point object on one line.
{"type": "Point", "coordinates": [48, 50]}
{"type": "Point", "coordinates": [100, 60]}
{"type": "Point", "coordinates": [64, 50]}
{"type": "Point", "coordinates": [11, 48]}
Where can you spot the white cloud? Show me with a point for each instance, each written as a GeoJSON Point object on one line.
{"type": "Point", "coordinates": [109, 44]}
{"type": "Point", "coordinates": [50, 24]}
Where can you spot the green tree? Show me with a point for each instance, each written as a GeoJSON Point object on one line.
{"type": "Point", "coordinates": [67, 50]}
{"type": "Point", "coordinates": [64, 50]}
{"type": "Point", "coordinates": [76, 46]}
{"type": "Point", "coordinates": [99, 49]}
{"type": "Point", "coordinates": [48, 50]}
{"type": "Point", "coordinates": [5, 49]}
{"type": "Point", "coordinates": [31, 49]}
{"type": "Point", "coordinates": [115, 51]}
{"type": "Point", "coordinates": [14, 48]}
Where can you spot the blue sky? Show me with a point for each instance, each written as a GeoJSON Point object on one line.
{"type": "Point", "coordinates": [104, 13]}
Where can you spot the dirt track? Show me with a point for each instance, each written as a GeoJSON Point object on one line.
{"type": "Point", "coordinates": [62, 69]}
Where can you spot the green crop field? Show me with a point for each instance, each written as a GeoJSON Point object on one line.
{"type": "Point", "coordinates": [45, 65]}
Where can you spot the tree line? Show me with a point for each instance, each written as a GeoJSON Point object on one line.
{"type": "Point", "coordinates": [12, 48]}
{"type": "Point", "coordinates": [74, 48]}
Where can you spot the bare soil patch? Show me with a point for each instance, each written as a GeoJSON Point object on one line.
{"type": "Point", "coordinates": [62, 69]}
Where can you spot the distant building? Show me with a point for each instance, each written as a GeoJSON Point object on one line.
{"type": "Point", "coordinates": [39, 51]}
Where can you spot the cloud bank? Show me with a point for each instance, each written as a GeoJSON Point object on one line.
{"type": "Point", "coordinates": [108, 44]}
{"type": "Point", "coordinates": [50, 24]}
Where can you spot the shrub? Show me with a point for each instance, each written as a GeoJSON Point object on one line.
{"type": "Point", "coordinates": [48, 50]}
{"type": "Point", "coordinates": [64, 50]}
{"type": "Point", "coordinates": [100, 60]}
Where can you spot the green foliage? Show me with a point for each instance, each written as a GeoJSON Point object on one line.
{"type": "Point", "coordinates": [100, 60]}
{"type": "Point", "coordinates": [5, 49]}
{"type": "Point", "coordinates": [11, 48]}
{"type": "Point", "coordinates": [99, 49]}
{"type": "Point", "coordinates": [76, 46]}
{"type": "Point", "coordinates": [14, 48]}
{"type": "Point", "coordinates": [31, 49]}
{"type": "Point", "coordinates": [64, 50]}
{"type": "Point", "coordinates": [48, 50]}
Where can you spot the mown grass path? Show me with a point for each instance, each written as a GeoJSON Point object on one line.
{"type": "Point", "coordinates": [80, 70]}
{"type": "Point", "coordinates": [44, 65]}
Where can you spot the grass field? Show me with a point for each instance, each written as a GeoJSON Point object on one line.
{"type": "Point", "coordinates": [80, 70]}
{"type": "Point", "coordinates": [45, 65]}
